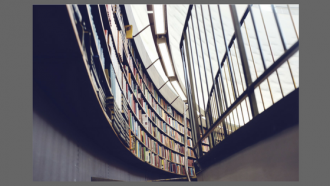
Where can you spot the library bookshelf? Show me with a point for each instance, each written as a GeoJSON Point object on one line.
{"type": "Point", "coordinates": [90, 62]}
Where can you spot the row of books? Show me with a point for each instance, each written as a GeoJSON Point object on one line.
{"type": "Point", "coordinates": [190, 162]}
{"type": "Point", "coordinates": [118, 121]}
{"type": "Point", "coordinates": [124, 107]}
{"type": "Point", "coordinates": [206, 140]}
{"type": "Point", "coordinates": [97, 40]}
{"type": "Point", "coordinates": [162, 125]}
{"type": "Point", "coordinates": [163, 139]}
{"type": "Point", "coordinates": [189, 142]}
{"type": "Point", "coordinates": [205, 148]}
{"type": "Point", "coordinates": [146, 155]}
{"type": "Point", "coordinates": [151, 95]}
{"type": "Point", "coordinates": [158, 132]}
{"type": "Point", "coordinates": [97, 82]}
{"type": "Point", "coordinates": [118, 15]}
{"type": "Point", "coordinates": [191, 153]}
{"type": "Point", "coordinates": [117, 32]}
{"type": "Point", "coordinates": [146, 108]}
{"type": "Point", "coordinates": [191, 171]}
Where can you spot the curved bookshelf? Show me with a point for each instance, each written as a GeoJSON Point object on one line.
{"type": "Point", "coordinates": [144, 97]}
{"type": "Point", "coordinates": [100, 15]}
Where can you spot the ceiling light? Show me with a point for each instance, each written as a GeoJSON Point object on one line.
{"type": "Point", "coordinates": [178, 89]}
{"type": "Point", "coordinates": [159, 19]}
{"type": "Point", "coordinates": [166, 59]}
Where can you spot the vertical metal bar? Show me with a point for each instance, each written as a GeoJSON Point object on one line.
{"type": "Point", "coordinates": [260, 50]}
{"type": "Point", "coordinates": [221, 96]}
{"type": "Point", "coordinates": [207, 44]}
{"type": "Point", "coordinates": [237, 119]}
{"type": "Point", "coordinates": [234, 72]}
{"type": "Point", "coordinates": [194, 137]}
{"type": "Point", "coordinates": [227, 52]}
{"type": "Point", "coordinates": [201, 45]}
{"type": "Point", "coordinates": [278, 27]}
{"type": "Point", "coordinates": [283, 42]}
{"type": "Point", "coordinates": [270, 48]}
{"type": "Point", "coordinates": [257, 36]}
{"type": "Point", "coordinates": [188, 95]}
{"type": "Point", "coordinates": [215, 45]}
{"type": "Point", "coordinates": [227, 84]}
{"type": "Point", "coordinates": [192, 59]}
{"type": "Point", "coordinates": [239, 69]}
{"type": "Point", "coordinates": [185, 141]}
{"type": "Point", "coordinates": [211, 139]}
{"type": "Point", "coordinates": [247, 74]}
{"type": "Point", "coordinates": [255, 70]}
{"type": "Point", "coordinates": [294, 26]}
{"type": "Point", "coordinates": [209, 117]}
{"type": "Point", "coordinates": [200, 76]}
{"type": "Point", "coordinates": [192, 94]}
{"type": "Point", "coordinates": [240, 76]}
{"type": "Point", "coordinates": [238, 66]}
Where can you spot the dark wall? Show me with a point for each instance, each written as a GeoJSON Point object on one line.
{"type": "Point", "coordinates": [273, 159]}
{"type": "Point", "coordinates": [61, 153]}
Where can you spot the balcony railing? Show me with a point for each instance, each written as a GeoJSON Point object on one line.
{"type": "Point", "coordinates": [259, 66]}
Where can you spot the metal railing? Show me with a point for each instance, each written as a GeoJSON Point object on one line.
{"type": "Point", "coordinates": [248, 78]}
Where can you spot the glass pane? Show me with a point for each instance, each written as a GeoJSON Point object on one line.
{"type": "Point", "coordinates": [205, 58]}
{"type": "Point", "coordinates": [191, 65]}
{"type": "Point", "coordinates": [259, 100]}
{"type": "Point", "coordinates": [266, 96]}
{"type": "Point", "coordinates": [196, 71]}
{"type": "Point", "coordinates": [294, 9]}
{"type": "Point", "coordinates": [254, 45]}
{"type": "Point", "coordinates": [227, 22]}
{"type": "Point", "coordinates": [226, 85]}
{"type": "Point", "coordinates": [294, 63]}
{"type": "Point", "coordinates": [245, 111]}
{"type": "Point", "coordinates": [238, 57]}
{"type": "Point", "coordinates": [199, 53]}
{"type": "Point", "coordinates": [240, 8]}
{"type": "Point", "coordinates": [250, 58]}
{"type": "Point", "coordinates": [287, 26]}
{"type": "Point", "coordinates": [236, 71]}
{"type": "Point", "coordinates": [218, 32]}
{"type": "Point", "coordinates": [209, 34]}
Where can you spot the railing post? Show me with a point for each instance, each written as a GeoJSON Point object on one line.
{"type": "Point", "coordinates": [200, 119]}
{"type": "Point", "coordinates": [209, 55]}
{"type": "Point", "coordinates": [245, 65]}
{"type": "Point", "coordinates": [208, 124]}
{"type": "Point", "coordinates": [185, 141]}
{"type": "Point", "coordinates": [192, 109]}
